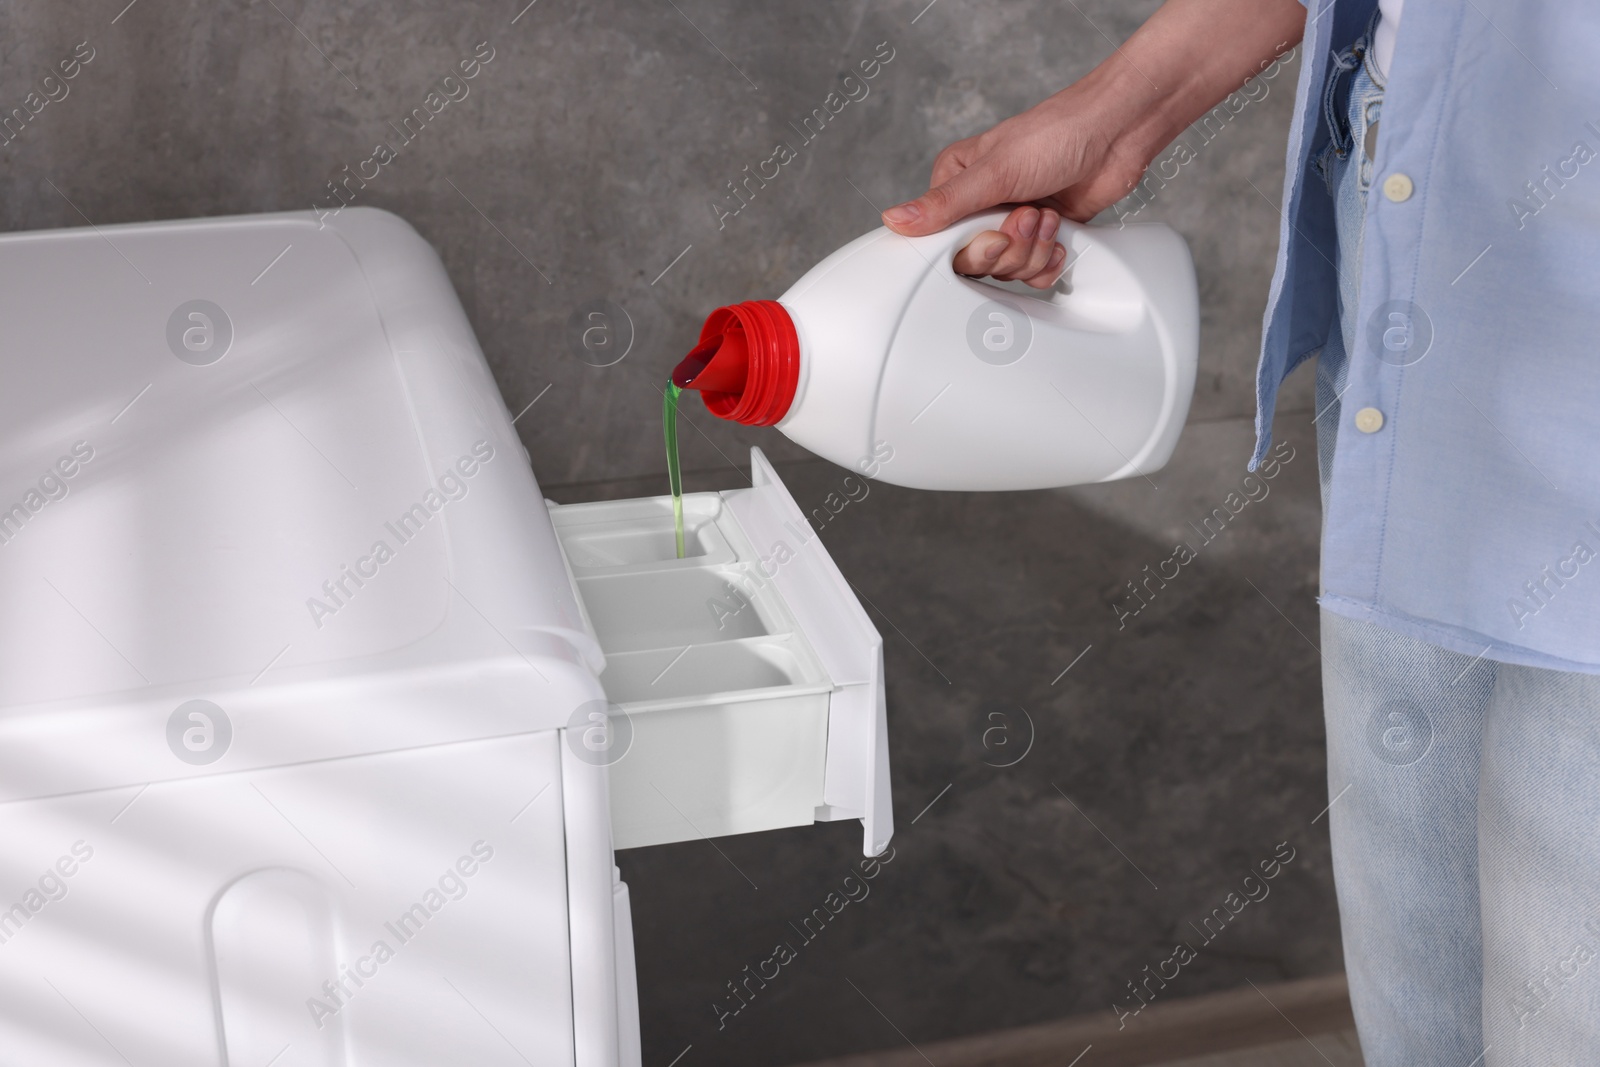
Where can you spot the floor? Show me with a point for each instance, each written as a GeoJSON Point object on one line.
{"type": "Point", "coordinates": [1324, 1050]}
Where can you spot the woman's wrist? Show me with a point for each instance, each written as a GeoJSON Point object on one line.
{"type": "Point", "coordinates": [1083, 148]}
{"type": "Point", "coordinates": [1181, 63]}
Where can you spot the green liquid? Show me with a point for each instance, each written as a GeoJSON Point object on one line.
{"type": "Point", "coordinates": [669, 425]}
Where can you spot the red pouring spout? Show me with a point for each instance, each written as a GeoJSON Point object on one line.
{"type": "Point", "coordinates": [747, 364]}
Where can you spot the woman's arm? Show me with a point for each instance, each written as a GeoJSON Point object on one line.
{"type": "Point", "coordinates": [1084, 148]}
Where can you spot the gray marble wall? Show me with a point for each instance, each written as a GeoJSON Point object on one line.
{"type": "Point", "coordinates": [588, 161]}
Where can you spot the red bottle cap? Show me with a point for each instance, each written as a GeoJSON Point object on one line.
{"type": "Point", "coordinates": [747, 364]}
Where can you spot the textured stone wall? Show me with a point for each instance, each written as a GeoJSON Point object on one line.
{"type": "Point", "coordinates": [586, 161]}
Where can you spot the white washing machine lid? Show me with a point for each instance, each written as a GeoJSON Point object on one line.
{"type": "Point", "coordinates": [259, 463]}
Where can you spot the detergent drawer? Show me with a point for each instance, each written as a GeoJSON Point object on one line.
{"type": "Point", "coordinates": [745, 679]}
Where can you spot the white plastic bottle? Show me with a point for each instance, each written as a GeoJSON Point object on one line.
{"type": "Point", "coordinates": [883, 359]}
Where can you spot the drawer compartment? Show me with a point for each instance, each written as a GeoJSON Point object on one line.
{"type": "Point", "coordinates": [672, 608]}
{"type": "Point", "coordinates": [621, 534]}
{"type": "Point", "coordinates": [704, 670]}
{"type": "Point", "coordinates": [750, 678]}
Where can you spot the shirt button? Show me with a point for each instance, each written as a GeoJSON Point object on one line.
{"type": "Point", "coordinates": [1369, 420]}
{"type": "Point", "coordinates": [1397, 187]}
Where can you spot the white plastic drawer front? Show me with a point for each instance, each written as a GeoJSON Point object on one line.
{"type": "Point", "coordinates": [748, 677]}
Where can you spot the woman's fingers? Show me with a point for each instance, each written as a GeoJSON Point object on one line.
{"type": "Point", "coordinates": [970, 190]}
{"type": "Point", "coordinates": [1052, 269]}
{"type": "Point", "coordinates": [981, 253]}
{"type": "Point", "coordinates": [1023, 249]}
{"type": "Point", "coordinates": [953, 160]}
{"type": "Point", "coordinates": [1029, 257]}
{"type": "Point", "coordinates": [1022, 225]}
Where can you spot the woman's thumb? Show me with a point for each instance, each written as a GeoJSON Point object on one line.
{"type": "Point", "coordinates": [973, 190]}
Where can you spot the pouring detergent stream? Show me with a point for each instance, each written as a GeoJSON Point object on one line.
{"type": "Point", "coordinates": [669, 426]}
{"type": "Point", "coordinates": [974, 386]}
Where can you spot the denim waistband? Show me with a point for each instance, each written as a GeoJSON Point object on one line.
{"type": "Point", "coordinates": [1335, 92]}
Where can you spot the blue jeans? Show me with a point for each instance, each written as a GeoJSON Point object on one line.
{"type": "Point", "coordinates": [1465, 793]}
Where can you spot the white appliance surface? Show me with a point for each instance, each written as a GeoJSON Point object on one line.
{"type": "Point", "coordinates": [330, 531]}
{"type": "Point", "coordinates": [298, 681]}
{"type": "Point", "coordinates": [286, 646]}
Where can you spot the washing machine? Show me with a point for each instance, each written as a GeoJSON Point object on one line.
{"type": "Point", "coordinates": [319, 724]}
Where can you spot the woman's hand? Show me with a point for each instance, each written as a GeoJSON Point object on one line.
{"type": "Point", "coordinates": [1083, 149]}
{"type": "Point", "coordinates": [1063, 157]}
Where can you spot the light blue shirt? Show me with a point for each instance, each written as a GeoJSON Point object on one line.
{"type": "Point", "coordinates": [1470, 517]}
